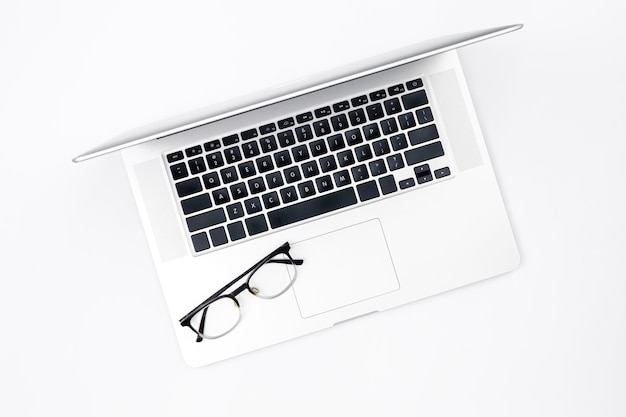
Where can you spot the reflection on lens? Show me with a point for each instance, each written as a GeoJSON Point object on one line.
{"type": "Point", "coordinates": [221, 316]}
{"type": "Point", "coordinates": [273, 278]}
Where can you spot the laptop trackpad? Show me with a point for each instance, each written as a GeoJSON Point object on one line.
{"type": "Point", "coordinates": [343, 267]}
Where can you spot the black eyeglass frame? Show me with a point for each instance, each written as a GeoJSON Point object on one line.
{"type": "Point", "coordinates": [281, 250]}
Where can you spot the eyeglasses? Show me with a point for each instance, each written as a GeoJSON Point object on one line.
{"type": "Point", "coordinates": [220, 313]}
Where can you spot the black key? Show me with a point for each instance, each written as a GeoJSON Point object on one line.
{"type": "Point", "coordinates": [443, 172]}
{"type": "Point", "coordinates": [377, 167]}
{"type": "Point", "coordinates": [415, 99]}
{"type": "Point", "coordinates": [253, 205]}
{"type": "Point", "coordinates": [406, 121]}
{"type": "Point", "coordinates": [265, 163]}
{"type": "Point", "coordinates": [282, 158]}
{"type": "Point", "coordinates": [218, 236]}
{"type": "Point", "coordinates": [381, 147]}
{"type": "Point", "coordinates": [422, 170]}
{"type": "Point", "coordinates": [197, 203]}
{"type": "Point", "coordinates": [353, 136]}
{"type": "Point", "coordinates": [210, 180]}
{"type": "Point", "coordinates": [193, 151]}
{"type": "Point", "coordinates": [344, 105]}
{"type": "Point", "coordinates": [395, 162]}
{"type": "Point", "coordinates": [288, 194]}
{"type": "Point", "coordinates": [367, 190]}
{"type": "Point", "coordinates": [250, 149]}
{"type": "Point", "coordinates": [342, 178]}
{"type": "Point", "coordinates": [399, 142]}
{"type": "Point", "coordinates": [292, 174]}
{"type": "Point", "coordinates": [204, 220]}
{"type": "Point", "coordinates": [304, 133]}
{"type": "Point", "coordinates": [363, 152]}
{"type": "Point", "coordinates": [358, 101]}
{"type": "Point", "coordinates": [236, 231]}
{"type": "Point", "coordinates": [357, 117]}
{"type": "Point", "coordinates": [423, 134]}
{"type": "Point", "coordinates": [304, 117]}
{"type": "Point", "coordinates": [286, 138]}
{"type": "Point", "coordinates": [393, 106]}
{"type": "Point", "coordinates": [256, 185]}
{"type": "Point", "coordinates": [378, 95]}
{"type": "Point", "coordinates": [309, 169]}
{"type": "Point", "coordinates": [328, 163]}
{"type": "Point", "coordinates": [268, 144]}
{"type": "Point", "coordinates": [228, 140]}
{"type": "Point", "coordinates": [323, 204]}
{"type": "Point", "coordinates": [375, 111]}
{"type": "Point", "coordinates": [424, 178]}
{"type": "Point", "coordinates": [423, 153]}
{"type": "Point", "coordinates": [239, 190]}
{"type": "Point", "coordinates": [323, 112]}
{"type": "Point", "coordinates": [345, 158]}
{"type": "Point", "coordinates": [200, 242]}
{"type": "Point", "coordinates": [256, 225]}
{"type": "Point", "coordinates": [339, 122]}
{"type": "Point", "coordinates": [371, 131]}
{"type": "Point", "coordinates": [270, 200]}
{"type": "Point", "coordinates": [324, 183]}
{"type": "Point", "coordinates": [424, 115]}
{"type": "Point", "coordinates": [387, 184]}
{"type": "Point", "coordinates": [412, 85]}
{"type": "Point", "coordinates": [247, 169]}
{"type": "Point", "coordinates": [306, 189]}
{"type": "Point", "coordinates": [213, 145]}
{"type": "Point", "coordinates": [274, 180]}
{"type": "Point", "coordinates": [234, 211]}
{"type": "Point", "coordinates": [215, 160]}
{"type": "Point", "coordinates": [175, 157]}
{"type": "Point", "coordinates": [396, 89]}
{"type": "Point", "coordinates": [318, 148]}
{"type": "Point", "coordinates": [229, 174]}
{"type": "Point", "coordinates": [220, 196]}
{"type": "Point", "coordinates": [335, 142]}
{"type": "Point", "coordinates": [268, 128]}
{"type": "Point", "coordinates": [407, 183]}
{"type": "Point", "coordinates": [389, 126]}
{"type": "Point", "coordinates": [321, 127]}
{"type": "Point", "coordinates": [359, 173]}
{"type": "Point", "coordinates": [188, 187]}
{"type": "Point", "coordinates": [285, 123]}
{"type": "Point", "coordinates": [249, 134]}
{"type": "Point", "coordinates": [179, 171]}
{"type": "Point", "coordinates": [300, 153]}
{"type": "Point", "coordinates": [232, 155]}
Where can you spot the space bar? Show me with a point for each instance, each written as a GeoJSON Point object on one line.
{"type": "Point", "coordinates": [311, 208]}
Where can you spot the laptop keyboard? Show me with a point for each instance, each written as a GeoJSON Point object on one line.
{"type": "Point", "coordinates": [334, 157]}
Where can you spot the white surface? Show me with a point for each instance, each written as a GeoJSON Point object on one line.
{"type": "Point", "coordinates": [546, 339]}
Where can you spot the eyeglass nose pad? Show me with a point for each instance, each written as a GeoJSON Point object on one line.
{"type": "Point", "coordinates": [254, 290]}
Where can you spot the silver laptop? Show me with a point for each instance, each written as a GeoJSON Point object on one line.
{"type": "Point", "coordinates": [358, 191]}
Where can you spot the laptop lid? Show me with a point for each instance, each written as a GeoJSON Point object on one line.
{"type": "Point", "coordinates": [299, 87]}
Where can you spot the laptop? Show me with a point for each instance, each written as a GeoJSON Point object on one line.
{"type": "Point", "coordinates": [363, 189]}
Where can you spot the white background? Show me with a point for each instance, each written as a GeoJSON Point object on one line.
{"type": "Point", "coordinates": [83, 325]}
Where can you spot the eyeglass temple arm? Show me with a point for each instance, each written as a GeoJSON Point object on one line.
{"type": "Point", "coordinates": [201, 327]}
{"type": "Point", "coordinates": [286, 261]}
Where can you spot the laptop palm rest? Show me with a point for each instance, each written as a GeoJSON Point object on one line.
{"type": "Point", "coordinates": [343, 267]}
